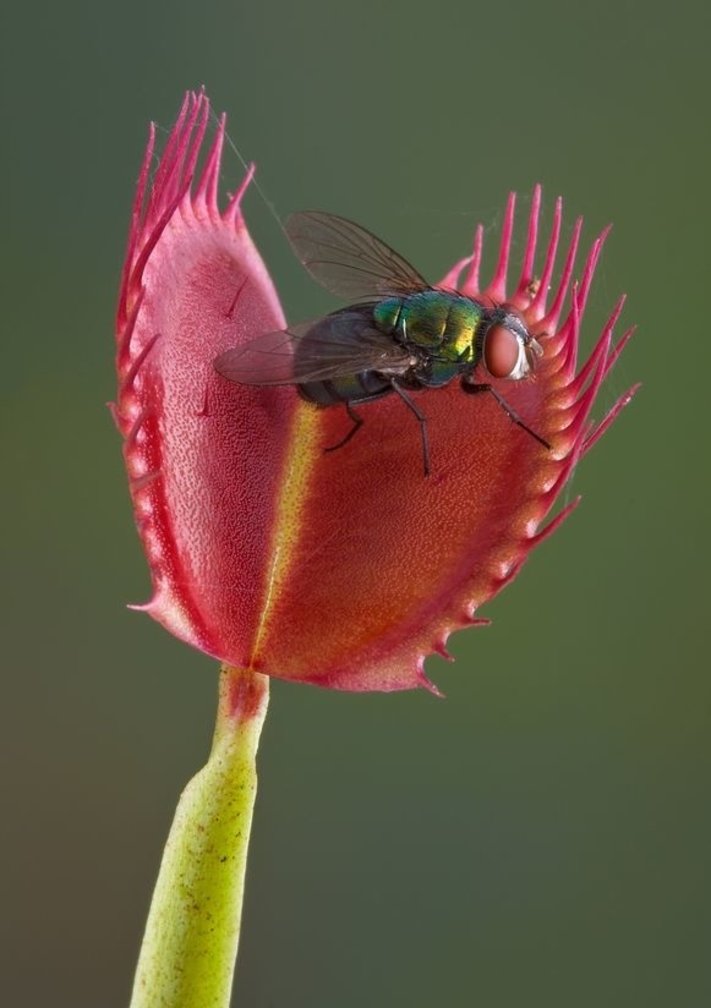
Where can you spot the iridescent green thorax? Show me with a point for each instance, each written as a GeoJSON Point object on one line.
{"type": "Point", "coordinates": [447, 324]}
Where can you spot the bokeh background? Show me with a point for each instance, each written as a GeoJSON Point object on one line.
{"type": "Point", "coordinates": [542, 836]}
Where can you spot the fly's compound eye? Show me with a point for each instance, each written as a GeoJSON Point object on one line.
{"type": "Point", "coordinates": [504, 353]}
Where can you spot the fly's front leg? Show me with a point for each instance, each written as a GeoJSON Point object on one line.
{"type": "Point", "coordinates": [422, 421]}
{"type": "Point", "coordinates": [473, 387]}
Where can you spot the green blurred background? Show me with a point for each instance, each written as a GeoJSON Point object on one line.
{"type": "Point", "coordinates": [542, 836]}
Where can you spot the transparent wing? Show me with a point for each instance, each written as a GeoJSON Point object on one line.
{"type": "Point", "coordinates": [347, 259]}
{"type": "Point", "coordinates": [332, 347]}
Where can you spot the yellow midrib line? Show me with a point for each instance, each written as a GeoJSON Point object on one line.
{"type": "Point", "coordinates": [299, 459]}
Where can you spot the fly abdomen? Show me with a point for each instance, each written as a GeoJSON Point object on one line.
{"type": "Point", "coordinates": [348, 388]}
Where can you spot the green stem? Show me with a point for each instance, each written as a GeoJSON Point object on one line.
{"type": "Point", "coordinates": [189, 948]}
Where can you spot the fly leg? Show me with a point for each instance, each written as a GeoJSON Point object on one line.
{"type": "Point", "coordinates": [472, 388]}
{"type": "Point", "coordinates": [422, 421]}
{"type": "Point", "coordinates": [357, 423]}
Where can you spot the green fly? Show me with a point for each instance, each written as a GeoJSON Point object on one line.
{"type": "Point", "coordinates": [397, 335]}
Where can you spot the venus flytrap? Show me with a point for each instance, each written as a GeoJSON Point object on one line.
{"type": "Point", "coordinates": [342, 569]}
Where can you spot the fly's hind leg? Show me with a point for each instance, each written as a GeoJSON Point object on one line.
{"type": "Point", "coordinates": [422, 421]}
{"type": "Point", "coordinates": [473, 387]}
{"type": "Point", "coordinates": [357, 424]}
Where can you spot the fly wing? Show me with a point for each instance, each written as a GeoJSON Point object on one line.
{"type": "Point", "coordinates": [332, 347]}
{"type": "Point", "coordinates": [348, 260]}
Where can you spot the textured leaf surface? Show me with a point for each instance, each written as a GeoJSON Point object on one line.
{"type": "Point", "coordinates": [341, 568]}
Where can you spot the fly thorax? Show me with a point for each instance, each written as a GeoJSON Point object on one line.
{"type": "Point", "coordinates": [387, 314]}
{"type": "Point", "coordinates": [463, 323]}
{"type": "Point", "coordinates": [439, 372]}
{"type": "Point", "coordinates": [423, 320]}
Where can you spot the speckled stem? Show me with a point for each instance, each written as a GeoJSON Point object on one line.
{"type": "Point", "coordinates": [190, 944]}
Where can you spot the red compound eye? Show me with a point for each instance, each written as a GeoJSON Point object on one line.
{"type": "Point", "coordinates": [501, 351]}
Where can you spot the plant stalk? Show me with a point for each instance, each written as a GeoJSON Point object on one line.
{"type": "Point", "coordinates": [189, 948]}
